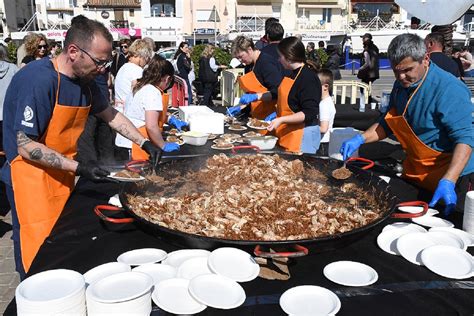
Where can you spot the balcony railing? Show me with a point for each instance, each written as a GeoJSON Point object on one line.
{"type": "Point", "coordinates": [120, 24]}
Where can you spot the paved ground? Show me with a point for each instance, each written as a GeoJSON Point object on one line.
{"type": "Point", "coordinates": [9, 278]}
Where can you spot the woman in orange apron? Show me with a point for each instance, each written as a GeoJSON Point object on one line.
{"type": "Point", "coordinates": [420, 114]}
{"type": "Point", "coordinates": [260, 81]}
{"type": "Point", "coordinates": [147, 107]}
{"type": "Point", "coordinates": [297, 124]}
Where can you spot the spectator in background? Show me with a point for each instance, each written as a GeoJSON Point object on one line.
{"type": "Point", "coordinates": [263, 41]}
{"type": "Point", "coordinates": [434, 47]}
{"type": "Point", "coordinates": [312, 55]}
{"type": "Point", "coordinates": [36, 48]}
{"type": "Point", "coordinates": [55, 48]}
{"type": "Point", "coordinates": [275, 34]}
{"type": "Point", "coordinates": [369, 71]}
{"type": "Point", "coordinates": [121, 58]}
{"type": "Point", "coordinates": [7, 70]}
{"type": "Point", "coordinates": [321, 45]}
{"type": "Point", "coordinates": [327, 110]}
{"type": "Point", "coordinates": [333, 63]}
{"type": "Point", "coordinates": [150, 42]}
{"type": "Point", "coordinates": [183, 64]}
{"type": "Point", "coordinates": [208, 73]}
{"type": "Point", "coordinates": [21, 51]}
{"type": "Point", "coordinates": [414, 23]}
{"type": "Point", "coordinates": [467, 62]}
{"type": "Point", "coordinates": [457, 59]}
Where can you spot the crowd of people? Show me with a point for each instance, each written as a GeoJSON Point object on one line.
{"type": "Point", "coordinates": [64, 112]}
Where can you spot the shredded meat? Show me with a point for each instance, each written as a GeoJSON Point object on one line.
{"type": "Point", "coordinates": [258, 197]}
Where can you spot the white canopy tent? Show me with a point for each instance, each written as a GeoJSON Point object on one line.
{"type": "Point", "coordinates": [436, 12]}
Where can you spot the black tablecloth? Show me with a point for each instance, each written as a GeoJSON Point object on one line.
{"type": "Point", "coordinates": [348, 115]}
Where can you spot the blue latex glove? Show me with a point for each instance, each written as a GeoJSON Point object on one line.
{"type": "Point", "coordinates": [351, 145]}
{"type": "Point", "coordinates": [248, 98]}
{"type": "Point", "coordinates": [271, 117]}
{"type": "Point", "coordinates": [234, 110]}
{"type": "Point", "coordinates": [445, 191]}
{"type": "Point", "coordinates": [176, 123]}
{"type": "Point", "coordinates": [170, 147]}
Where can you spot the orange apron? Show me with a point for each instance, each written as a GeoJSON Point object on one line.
{"type": "Point", "coordinates": [137, 152]}
{"type": "Point", "coordinates": [423, 165]}
{"type": "Point", "coordinates": [41, 192]}
{"type": "Point", "coordinates": [290, 136]}
{"type": "Point", "coordinates": [258, 109]}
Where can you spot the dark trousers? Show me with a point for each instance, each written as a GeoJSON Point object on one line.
{"type": "Point", "coordinates": [208, 91]}
{"type": "Point", "coordinates": [16, 234]}
{"type": "Point", "coordinates": [4, 205]}
{"type": "Point", "coordinates": [96, 141]}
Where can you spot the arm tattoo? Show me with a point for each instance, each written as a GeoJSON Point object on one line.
{"type": "Point", "coordinates": [36, 154]}
{"type": "Point", "coordinates": [123, 130]}
{"type": "Point", "coordinates": [53, 160]}
{"type": "Point", "coordinates": [22, 139]}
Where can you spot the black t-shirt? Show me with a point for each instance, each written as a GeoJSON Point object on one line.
{"type": "Point", "coordinates": [272, 50]}
{"type": "Point", "coordinates": [267, 72]}
{"type": "Point", "coordinates": [445, 63]}
{"type": "Point", "coordinates": [27, 59]}
{"type": "Point", "coordinates": [305, 95]}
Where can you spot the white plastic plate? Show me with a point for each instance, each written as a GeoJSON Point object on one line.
{"type": "Point", "coordinates": [387, 240]}
{"type": "Point", "coordinates": [177, 257]}
{"type": "Point", "coordinates": [410, 226]}
{"type": "Point", "coordinates": [418, 209]}
{"type": "Point", "coordinates": [432, 221]}
{"type": "Point", "coordinates": [233, 263]}
{"type": "Point", "coordinates": [125, 179]}
{"type": "Point", "coordinates": [448, 261]}
{"type": "Point", "coordinates": [104, 270]}
{"type": "Point", "coordinates": [447, 239]}
{"type": "Point", "coordinates": [158, 272]}
{"type": "Point", "coordinates": [465, 236]}
{"type": "Point", "coordinates": [411, 245]}
{"type": "Point", "coordinates": [217, 291]}
{"type": "Point", "coordinates": [350, 273]}
{"type": "Point", "coordinates": [142, 256]}
{"type": "Point", "coordinates": [120, 287]}
{"type": "Point", "coordinates": [310, 300]}
{"type": "Point", "coordinates": [256, 127]}
{"type": "Point", "coordinates": [172, 295]}
{"type": "Point", "coordinates": [193, 267]}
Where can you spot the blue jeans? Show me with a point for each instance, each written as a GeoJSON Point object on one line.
{"type": "Point", "coordinates": [16, 233]}
{"type": "Point", "coordinates": [311, 139]}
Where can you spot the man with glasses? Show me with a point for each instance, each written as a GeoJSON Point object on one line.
{"type": "Point", "coordinates": [45, 110]}
{"type": "Point", "coordinates": [121, 58]}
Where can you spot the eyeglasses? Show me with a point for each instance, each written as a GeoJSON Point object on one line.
{"type": "Point", "coordinates": [42, 46]}
{"type": "Point", "coordinates": [98, 63]}
{"type": "Point", "coordinates": [124, 46]}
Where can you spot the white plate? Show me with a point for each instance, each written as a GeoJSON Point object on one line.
{"type": "Point", "coordinates": [172, 295]}
{"type": "Point", "coordinates": [217, 291]}
{"type": "Point", "coordinates": [350, 273]}
{"type": "Point", "coordinates": [448, 261]}
{"type": "Point", "coordinates": [387, 240]}
{"type": "Point", "coordinates": [142, 256]}
{"type": "Point", "coordinates": [233, 263]}
{"type": "Point", "coordinates": [385, 178]}
{"type": "Point", "coordinates": [158, 272]}
{"type": "Point", "coordinates": [432, 221]}
{"type": "Point", "coordinates": [310, 300]}
{"type": "Point", "coordinates": [410, 226]}
{"type": "Point", "coordinates": [417, 209]}
{"type": "Point", "coordinates": [104, 270]}
{"type": "Point", "coordinates": [447, 239]}
{"type": "Point", "coordinates": [176, 258]}
{"type": "Point", "coordinates": [465, 236]}
{"type": "Point", "coordinates": [120, 287]}
{"type": "Point", "coordinates": [123, 179]}
{"type": "Point", "coordinates": [193, 267]}
{"type": "Point", "coordinates": [254, 127]}
{"type": "Point", "coordinates": [51, 287]}
{"type": "Point", "coordinates": [241, 128]}
{"type": "Point", "coordinates": [411, 245]}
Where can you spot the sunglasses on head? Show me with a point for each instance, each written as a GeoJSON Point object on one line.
{"type": "Point", "coordinates": [42, 46]}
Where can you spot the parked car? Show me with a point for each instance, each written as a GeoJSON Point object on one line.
{"type": "Point", "coordinates": [167, 53]}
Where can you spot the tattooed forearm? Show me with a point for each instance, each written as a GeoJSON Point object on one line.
{"type": "Point", "coordinates": [125, 132]}
{"type": "Point", "coordinates": [22, 139]}
{"type": "Point", "coordinates": [36, 154]}
{"type": "Point", "coordinates": [54, 160]}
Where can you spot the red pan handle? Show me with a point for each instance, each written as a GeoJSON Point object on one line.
{"type": "Point", "coordinates": [99, 208]}
{"type": "Point", "coordinates": [300, 252]}
{"type": "Point", "coordinates": [137, 165]}
{"type": "Point", "coordinates": [236, 148]}
{"type": "Point", "coordinates": [411, 215]}
{"type": "Point", "coordinates": [369, 162]}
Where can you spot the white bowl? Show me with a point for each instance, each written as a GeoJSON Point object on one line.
{"type": "Point", "coordinates": [195, 138]}
{"type": "Point", "coordinates": [263, 142]}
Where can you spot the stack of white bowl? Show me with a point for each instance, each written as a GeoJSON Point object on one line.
{"type": "Point", "coordinates": [126, 293]}
{"type": "Point", "coordinates": [52, 292]}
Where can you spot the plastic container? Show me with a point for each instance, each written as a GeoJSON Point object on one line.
{"type": "Point", "coordinates": [195, 138]}
{"type": "Point", "coordinates": [337, 137]}
{"type": "Point", "coordinates": [384, 101]}
{"type": "Point", "coordinates": [263, 142]}
{"type": "Point", "coordinates": [362, 102]}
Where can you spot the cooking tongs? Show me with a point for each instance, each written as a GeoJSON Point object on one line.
{"type": "Point", "coordinates": [143, 165]}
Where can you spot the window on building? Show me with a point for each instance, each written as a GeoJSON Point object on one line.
{"type": "Point", "coordinates": [367, 11]}
{"type": "Point", "coordinates": [203, 15]}
{"type": "Point", "coordinates": [327, 14]}
{"type": "Point", "coordinates": [73, 3]}
{"type": "Point", "coordinates": [162, 8]}
{"type": "Point", "coordinates": [132, 12]}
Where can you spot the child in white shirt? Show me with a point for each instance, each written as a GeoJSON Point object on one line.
{"type": "Point", "coordinates": [327, 110]}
